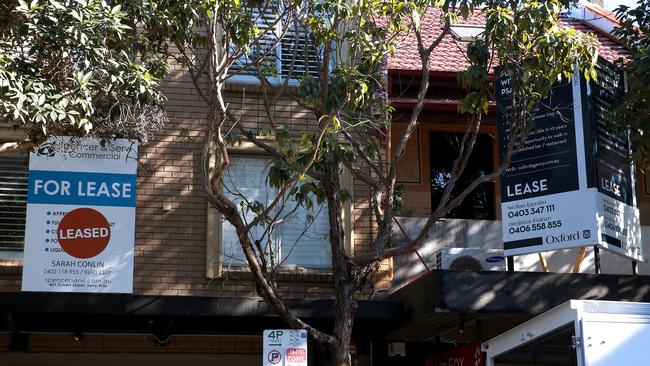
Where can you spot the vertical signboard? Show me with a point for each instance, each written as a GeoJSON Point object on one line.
{"type": "Point", "coordinates": [80, 225]}
{"type": "Point", "coordinates": [572, 184]}
{"type": "Point", "coordinates": [284, 347]}
{"type": "Point", "coordinates": [611, 171]}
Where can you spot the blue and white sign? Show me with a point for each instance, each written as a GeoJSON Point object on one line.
{"type": "Point", "coordinates": [284, 347]}
{"type": "Point", "coordinates": [79, 234]}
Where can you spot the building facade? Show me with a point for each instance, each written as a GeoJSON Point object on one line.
{"type": "Point", "coordinates": [194, 302]}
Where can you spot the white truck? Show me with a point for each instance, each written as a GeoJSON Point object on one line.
{"type": "Point", "coordinates": [577, 333]}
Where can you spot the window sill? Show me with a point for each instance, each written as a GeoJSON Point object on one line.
{"type": "Point", "coordinates": [11, 255]}
{"type": "Point", "coordinates": [10, 265]}
{"type": "Point", "coordinates": [254, 86]}
{"type": "Point", "coordinates": [284, 274]}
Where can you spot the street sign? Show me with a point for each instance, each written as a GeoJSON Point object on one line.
{"type": "Point", "coordinates": [79, 233]}
{"type": "Point", "coordinates": [572, 185]}
{"type": "Point", "coordinates": [284, 347]}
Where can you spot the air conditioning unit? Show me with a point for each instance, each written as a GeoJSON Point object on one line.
{"type": "Point", "coordinates": [396, 349]}
{"type": "Point", "coordinates": [470, 259]}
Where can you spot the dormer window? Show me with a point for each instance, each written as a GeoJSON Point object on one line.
{"type": "Point", "coordinates": [467, 32]}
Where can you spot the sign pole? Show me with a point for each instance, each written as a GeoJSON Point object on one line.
{"type": "Point", "coordinates": [635, 268]}
{"type": "Point", "coordinates": [596, 260]}
{"type": "Point", "coordinates": [543, 262]}
{"type": "Point", "coordinates": [579, 259]}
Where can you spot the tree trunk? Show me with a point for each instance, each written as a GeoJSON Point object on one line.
{"type": "Point", "coordinates": [345, 281]}
{"type": "Point", "coordinates": [341, 355]}
{"type": "Point", "coordinates": [346, 308]}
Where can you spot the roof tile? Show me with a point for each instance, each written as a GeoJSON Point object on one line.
{"type": "Point", "coordinates": [449, 55]}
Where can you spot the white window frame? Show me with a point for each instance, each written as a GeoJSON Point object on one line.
{"type": "Point", "coordinates": [215, 265]}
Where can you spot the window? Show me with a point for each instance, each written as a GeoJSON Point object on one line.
{"type": "Point", "coordinates": [467, 32]}
{"type": "Point", "coordinates": [284, 50]}
{"type": "Point", "coordinates": [443, 150]}
{"type": "Point", "coordinates": [13, 202]}
{"type": "Point", "coordinates": [297, 241]}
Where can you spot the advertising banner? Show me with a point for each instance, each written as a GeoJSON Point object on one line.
{"type": "Point", "coordinates": [80, 226]}
{"type": "Point", "coordinates": [284, 347]}
{"type": "Point", "coordinates": [572, 185]}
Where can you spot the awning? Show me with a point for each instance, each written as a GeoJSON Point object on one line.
{"type": "Point", "coordinates": [457, 306]}
{"type": "Point", "coordinates": [173, 315]}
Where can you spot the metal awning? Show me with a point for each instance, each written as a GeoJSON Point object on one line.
{"type": "Point", "coordinates": [457, 306]}
{"type": "Point", "coordinates": [174, 315]}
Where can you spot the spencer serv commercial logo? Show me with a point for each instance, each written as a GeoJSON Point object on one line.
{"type": "Point", "coordinates": [104, 150]}
{"type": "Point", "coordinates": [46, 149]}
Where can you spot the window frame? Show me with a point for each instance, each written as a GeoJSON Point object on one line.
{"type": "Point", "coordinates": [422, 189]}
{"type": "Point", "coordinates": [214, 231]}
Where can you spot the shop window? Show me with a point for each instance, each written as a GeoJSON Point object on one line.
{"type": "Point", "coordinates": [443, 150]}
{"type": "Point", "coordinates": [13, 201]}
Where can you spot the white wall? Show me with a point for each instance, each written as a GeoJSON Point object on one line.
{"type": "Point", "coordinates": [487, 234]}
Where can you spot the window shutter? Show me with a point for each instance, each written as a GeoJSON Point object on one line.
{"type": "Point", "coordinates": [294, 56]}
{"type": "Point", "coordinates": [298, 56]}
{"type": "Point", "coordinates": [245, 177]}
{"type": "Point", "coordinates": [13, 200]}
{"type": "Point", "coordinates": [264, 49]}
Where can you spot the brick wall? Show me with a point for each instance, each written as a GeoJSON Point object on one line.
{"type": "Point", "coordinates": [170, 246]}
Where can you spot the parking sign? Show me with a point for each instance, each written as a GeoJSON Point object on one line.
{"type": "Point", "coordinates": [284, 347]}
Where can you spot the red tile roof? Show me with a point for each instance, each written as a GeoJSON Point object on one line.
{"type": "Point", "coordinates": [449, 55]}
{"type": "Point", "coordinates": [608, 47]}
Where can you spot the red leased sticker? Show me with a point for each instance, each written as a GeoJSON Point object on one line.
{"type": "Point", "coordinates": [83, 233]}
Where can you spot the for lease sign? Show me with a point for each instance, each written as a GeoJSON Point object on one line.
{"type": "Point", "coordinates": [284, 347]}
{"type": "Point", "coordinates": [572, 183]}
{"type": "Point", "coordinates": [81, 216]}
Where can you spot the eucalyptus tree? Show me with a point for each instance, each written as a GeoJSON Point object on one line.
{"type": "Point", "coordinates": [345, 91]}
{"type": "Point", "coordinates": [336, 52]}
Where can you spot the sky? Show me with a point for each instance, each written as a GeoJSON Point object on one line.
{"type": "Point", "coordinates": [613, 4]}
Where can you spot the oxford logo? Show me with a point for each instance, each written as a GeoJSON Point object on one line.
{"type": "Point", "coordinates": [555, 239]}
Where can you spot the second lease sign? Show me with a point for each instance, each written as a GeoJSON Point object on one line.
{"type": "Point", "coordinates": [572, 184]}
